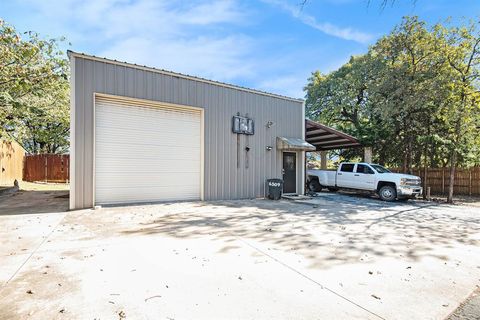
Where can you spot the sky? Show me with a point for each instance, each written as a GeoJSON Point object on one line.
{"type": "Point", "coordinates": [270, 45]}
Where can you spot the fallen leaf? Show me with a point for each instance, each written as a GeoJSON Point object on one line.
{"type": "Point", "coordinates": [157, 296]}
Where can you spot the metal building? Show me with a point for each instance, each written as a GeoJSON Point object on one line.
{"type": "Point", "coordinates": [141, 134]}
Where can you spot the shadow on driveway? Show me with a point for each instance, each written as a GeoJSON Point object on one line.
{"type": "Point", "coordinates": [329, 234]}
{"type": "Point", "coordinates": [33, 202]}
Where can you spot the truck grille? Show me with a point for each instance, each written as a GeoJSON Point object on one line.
{"type": "Point", "coordinates": [413, 182]}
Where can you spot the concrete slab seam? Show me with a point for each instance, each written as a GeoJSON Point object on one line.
{"type": "Point", "coordinates": [308, 278]}
{"type": "Point", "coordinates": [32, 253]}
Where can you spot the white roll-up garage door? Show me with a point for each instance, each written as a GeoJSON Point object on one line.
{"type": "Point", "coordinates": [146, 152]}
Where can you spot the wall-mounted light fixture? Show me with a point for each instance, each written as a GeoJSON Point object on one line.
{"type": "Point", "coordinates": [270, 124]}
{"type": "Point", "coordinates": [269, 148]}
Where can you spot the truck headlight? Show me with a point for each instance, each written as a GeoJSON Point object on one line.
{"type": "Point", "coordinates": [403, 181]}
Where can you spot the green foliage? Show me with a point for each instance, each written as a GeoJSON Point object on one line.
{"type": "Point", "coordinates": [414, 97]}
{"type": "Point", "coordinates": [34, 100]}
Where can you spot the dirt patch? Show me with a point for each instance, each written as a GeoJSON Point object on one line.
{"type": "Point", "coordinates": [33, 202]}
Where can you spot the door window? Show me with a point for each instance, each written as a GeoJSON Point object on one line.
{"type": "Point", "coordinates": [347, 167]}
{"type": "Point", "coordinates": [289, 163]}
{"type": "Point", "coordinates": [362, 168]}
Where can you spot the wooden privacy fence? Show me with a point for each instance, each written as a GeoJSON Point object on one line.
{"type": "Point", "coordinates": [11, 162]}
{"type": "Point", "coordinates": [46, 168]}
{"type": "Point", "coordinates": [466, 182]}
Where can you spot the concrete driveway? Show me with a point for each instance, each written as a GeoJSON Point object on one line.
{"type": "Point", "coordinates": [332, 258]}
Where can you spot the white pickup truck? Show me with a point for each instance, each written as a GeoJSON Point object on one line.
{"type": "Point", "coordinates": [367, 177]}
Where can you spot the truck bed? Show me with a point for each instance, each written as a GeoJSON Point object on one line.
{"type": "Point", "coordinates": [325, 177]}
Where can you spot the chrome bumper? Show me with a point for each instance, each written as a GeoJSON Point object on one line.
{"type": "Point", "coordinates": [409, 191]}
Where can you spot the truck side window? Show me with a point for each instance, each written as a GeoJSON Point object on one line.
{"type": "Point", "coordinates": [361, 168]}
{"type": "Point", "coordinates": [347, 167]}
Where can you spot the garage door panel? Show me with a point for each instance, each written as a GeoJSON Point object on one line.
{"type": "Point", "coordinates": [114, 187]}
{"type": "Point", "coordinates": [152, 133]}
{"type": "Point", "coordinates": [158, 177]}
{"type": "Point", "coordinates": [146, 152]}
{"type": "Point", "coordinates": [150, 140]}
{"type": "Point", "coordinates": [118, 121]}
{"type": "Point", "coordinates": [129, 152]}
{"type": "Point", "coordinates": [125, 119]}
{"type": "Point", "coordinates": [150, 194]}
{"type": "Point", "coordinates": [121, 183]}
{"type": "Point", "coordinates": [148, 165]}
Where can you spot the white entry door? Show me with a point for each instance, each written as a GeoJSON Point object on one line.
{"type": "Point", "coordinates": [146, 152]}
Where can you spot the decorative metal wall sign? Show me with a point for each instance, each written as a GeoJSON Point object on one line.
{"type": "Point", "coordinates": [242, 125]}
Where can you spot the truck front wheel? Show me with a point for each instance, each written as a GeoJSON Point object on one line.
{"type": "Point", "coordinates": [387, 193]}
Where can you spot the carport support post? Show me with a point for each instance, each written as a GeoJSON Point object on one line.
{"type": "Point", "coordinates": [367, 154]}
{"type": "Point", "coordinates": [323, 160]}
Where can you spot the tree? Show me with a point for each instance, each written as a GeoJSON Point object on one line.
{"type": "Point", "coordinates": [414, 97]}
{"type": "Point", "coordinates": [33, 90]}
{"type": "Point", "coordinates": [462, 114]}
{"type": "Point", "coordinates": [341, 99]}
{"type": "Point", "coordinates": [45, 123]}
{"type": "Point", "coordinates": [404, 91]}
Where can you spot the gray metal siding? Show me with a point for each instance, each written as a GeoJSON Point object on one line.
{"type": "Point", "coordinates": [223, 180]}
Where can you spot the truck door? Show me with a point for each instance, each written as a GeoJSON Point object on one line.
{"type": "Point", "coordinates": [365, 177]}
{"type": "Point", "coordinates": [345, 176]}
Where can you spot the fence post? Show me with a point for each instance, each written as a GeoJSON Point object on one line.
{"type": "Point", "coordinates": [443, 181]}
{"type": "Point", "coordinates": [46, 170]}
{"type": "Point", "coordinates": [470, 181]}
{"type": "Point", "coordinates": [68, 170]}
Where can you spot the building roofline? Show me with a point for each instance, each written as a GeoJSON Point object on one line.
{"type": "Point", "coordinates": [71, 53]}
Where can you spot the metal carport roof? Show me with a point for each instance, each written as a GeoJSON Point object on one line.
{"type": "Point", "coordinates": [326, 138]}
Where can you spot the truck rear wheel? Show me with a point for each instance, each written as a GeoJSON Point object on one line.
{"type": "Point", "coordinates": [387, 193]}
{"type": "Point", "coordinates": [314, 186]}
